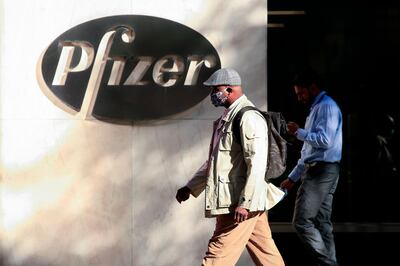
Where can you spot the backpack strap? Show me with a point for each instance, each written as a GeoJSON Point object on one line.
{"type": "Point", "coordinates": [236, 122]}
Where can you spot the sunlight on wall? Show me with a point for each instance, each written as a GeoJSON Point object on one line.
{"type": "Point", "coordinates": [16, 207]}
{"type": "Point", "coordinates": [23, 147]}
{"type": "Point", "coordinates": [19, 204]}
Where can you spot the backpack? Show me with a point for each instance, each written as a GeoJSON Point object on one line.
{"type": "Point", "coordinates": [277, 145]}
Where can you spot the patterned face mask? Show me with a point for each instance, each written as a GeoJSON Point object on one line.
{"type": "Point", "coordinates": [218, 98]}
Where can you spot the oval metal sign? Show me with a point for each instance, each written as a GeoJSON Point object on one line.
{"type": "Point", "coordinates": [128, 67]}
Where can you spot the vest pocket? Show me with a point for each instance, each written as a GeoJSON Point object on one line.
{"type": "Point", "coordinates": [225, 191]}
{"type": "Point", "coordinates": [228, 143]}
{"type": "Point", "coordinates": [229, 191]}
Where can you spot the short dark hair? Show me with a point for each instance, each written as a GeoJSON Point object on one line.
{"type": "Point", "coordinates": [306, 77]}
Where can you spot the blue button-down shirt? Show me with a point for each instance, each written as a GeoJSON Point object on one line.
{"type": "Point", "coordinates": [322, 135]}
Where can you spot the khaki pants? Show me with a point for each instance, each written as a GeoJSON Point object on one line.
{"type": "Point", "coordinates": [230, 238]}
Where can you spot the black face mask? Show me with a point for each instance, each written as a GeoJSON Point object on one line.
{"type": "Point", "coordinates": [218, 98]}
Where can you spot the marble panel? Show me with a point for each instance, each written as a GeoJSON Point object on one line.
{"type": "Point", "coordinates": [76, 192]}
{"type": "Point", "coordinates": [165, 157]}
{"type": "Point", "coordinates": [66, 193]}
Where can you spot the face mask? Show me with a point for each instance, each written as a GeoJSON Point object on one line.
{"type": "Point", "coordinates": [218, 98]}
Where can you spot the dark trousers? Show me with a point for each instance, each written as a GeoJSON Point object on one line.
{"type": "Point", "coordinates": [313, 208]}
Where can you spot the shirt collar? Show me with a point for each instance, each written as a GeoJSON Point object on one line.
{"type": "Point", "coordinates": [229, 111]}
{"type": "Point", "coordinates": [236, 103]}
{"type": "Point", "coordinates": [318, 98]}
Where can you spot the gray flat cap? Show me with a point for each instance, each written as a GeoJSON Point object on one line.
{"type": "Point", "coordinates": [224, 76]}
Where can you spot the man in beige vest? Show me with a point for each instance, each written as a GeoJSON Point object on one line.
{"type": "Point", "coordinates": [236, 192]}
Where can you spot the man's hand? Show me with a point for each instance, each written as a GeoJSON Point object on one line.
{"type": "Point", "coordinates": [292, 127]}
{"type": "Point", "coordinates": [182, 194]}
{"type": "Point", "coordinates": [287, 184]}
{"type": "Point", "coordinates": [241, 214]}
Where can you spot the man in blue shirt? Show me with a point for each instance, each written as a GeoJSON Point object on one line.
{"type": "Point", "coordinates": [317, 168]}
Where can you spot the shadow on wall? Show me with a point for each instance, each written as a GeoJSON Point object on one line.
{"type": "Point", "coordinates": [105, 193]}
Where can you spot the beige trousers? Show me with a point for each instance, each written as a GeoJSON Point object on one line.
{"type": "Point", "coordinates": [230, 238]}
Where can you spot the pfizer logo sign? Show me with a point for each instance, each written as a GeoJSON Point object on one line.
{"type": "Point", "coordinates": [125, 68]}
